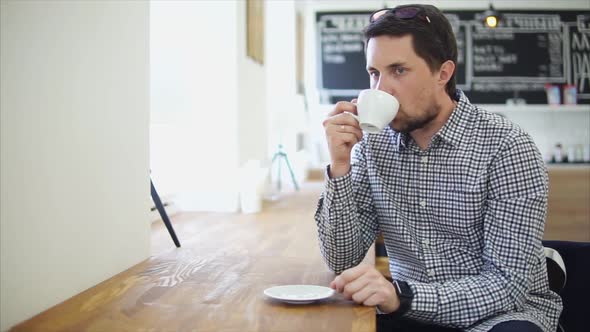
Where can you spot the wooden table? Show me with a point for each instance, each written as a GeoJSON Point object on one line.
{"type": "Point", "coordinates": [215, 282]}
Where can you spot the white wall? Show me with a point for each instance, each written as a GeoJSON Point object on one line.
{"type": "Point", "coordinates": [214, 108]}
{"type": "Point", "coordinates": [253, 122]}
{"type": "Point", "coordinates": [194, 101]}
{"type": "Point", "coordinates": [286, 110]}
{"type": "Point", "coordinates": [74, 148]}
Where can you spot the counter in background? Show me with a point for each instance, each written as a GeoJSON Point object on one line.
{"type": "Point", "coordinates": [568, 212]}
{"type": "Point", "coordinates": [549, 125]}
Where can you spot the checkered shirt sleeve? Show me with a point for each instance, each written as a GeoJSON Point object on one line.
{"type": "Point", "coordinates": [347, 224]}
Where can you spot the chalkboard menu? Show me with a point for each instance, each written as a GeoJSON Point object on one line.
{"type": "Point", "coordinates": [528, 50]}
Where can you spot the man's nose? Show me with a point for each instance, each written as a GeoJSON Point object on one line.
{"type": "Point", "coordinates": [384, 85]}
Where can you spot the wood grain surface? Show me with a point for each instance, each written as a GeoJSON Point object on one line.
{"type": "Point", "coordinates": [568, 211]}
{"type": "Point", "coordinates": [215, 282]}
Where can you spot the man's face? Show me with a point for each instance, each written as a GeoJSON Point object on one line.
{"type": "Point", "coordinates": [395, 68]}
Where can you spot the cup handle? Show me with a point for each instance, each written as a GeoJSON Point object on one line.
{"type": "Point", "coordinates": [354, 116]}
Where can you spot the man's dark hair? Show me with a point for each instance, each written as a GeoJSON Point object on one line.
{"type": "Point", "coordinates": [433, 41]}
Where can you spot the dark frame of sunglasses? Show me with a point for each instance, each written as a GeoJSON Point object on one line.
{"type": "Point", "coordinates": [405, 12]}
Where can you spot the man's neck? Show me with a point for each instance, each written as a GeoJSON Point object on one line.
{"type": "Point", "coordinates": [423, 136]}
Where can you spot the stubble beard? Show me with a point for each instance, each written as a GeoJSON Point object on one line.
{"type": "Point", "coordinates": [411, 124]}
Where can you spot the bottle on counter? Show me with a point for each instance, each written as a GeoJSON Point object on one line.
{"type": "Point", "coordinates": [553, 94]}
{"type": "Point", "coordinates": [586, 153]}
{"type": "Point", "coordinates": [548, 156]}
{"type": "Point", "coordinates": [570, 95]}
{"type": "Point", "coordinates": [558, 153]}
{"type": "Point", "coordinates": [579, 153]}
{"type": "Point", "coordinates": [571, 154]}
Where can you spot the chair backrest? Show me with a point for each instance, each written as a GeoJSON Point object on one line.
{"type": "Point", "coordinates": [556, 271]}
{"type": "Point", "coordinates": [576, 290]}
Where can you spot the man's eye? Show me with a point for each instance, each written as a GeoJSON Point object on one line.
{"type": "Point", "coordinates": [400, 70]}
{"type": "Point", "coordinates": [374, 74]}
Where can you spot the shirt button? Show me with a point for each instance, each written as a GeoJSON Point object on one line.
{"type": "Point", "coordinates": [424, 160]}
{"type": "Point", "coordinates": [430, 273]}
{"type": "Point", "coordinates": [423, 203]}
{"type": "Point", "coordinates": [426, 242]}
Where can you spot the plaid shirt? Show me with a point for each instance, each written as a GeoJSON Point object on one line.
{"type": "Point", "coordinates": [462, 220]}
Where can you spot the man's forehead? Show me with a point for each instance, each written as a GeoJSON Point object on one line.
{"type": "Point", "coordinates": [385, 50]}
{"type": "Point", "coordinates": [401, 44]}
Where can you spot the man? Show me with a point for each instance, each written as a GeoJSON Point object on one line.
{"type": "Point", "coordinates": [458, 193]}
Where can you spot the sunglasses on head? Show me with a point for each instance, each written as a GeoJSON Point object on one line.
{"type": "Point", "coordinates": [401, 12]}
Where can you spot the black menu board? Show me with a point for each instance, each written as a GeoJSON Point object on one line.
{"type": "Point", "coordinates": [528, 50]}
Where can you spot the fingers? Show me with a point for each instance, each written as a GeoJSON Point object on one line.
{"type": "Point", "coordinates": [352, 134]}
{"type": "Point", "coordinates": [342, 133]}
{"type": "Point", "coordinates": [342, 128]}
{"type": "Point", "coordinates": [368, 296]}
{"type": "Point", "coordinates": [341, 119]}
{"type": "Point", "coordinates": [365, 285]}
{"type": "Point", "coordinates": [361, 283]}
{"type": "Point", "coordinates": [333, 284]}
{"type": "Point", "coordinates": [343, 106]}
{"type": "Point", "coordinates": [374, 299]}
{"type": "Point", "coordinates": [355, 272]}
{"type": "Point", "coordinates": [349, 276]}
{"type": "Point", "coordinates": [357, 289]}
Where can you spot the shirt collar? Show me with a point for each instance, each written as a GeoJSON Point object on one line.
{"type": "Point", "coordinates": [458, 123]}
{"type": "Point", "coordinates": [399, 140]}
{"type": "Point", "coordinates": [451, 133]}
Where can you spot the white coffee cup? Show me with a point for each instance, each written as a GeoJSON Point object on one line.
{"type": "Point", "coordinates": [376, 109]}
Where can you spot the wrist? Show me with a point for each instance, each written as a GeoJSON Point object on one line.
{"type": "Point", "coordinates": [337, 170]}
{"type": "Point", "coordinates": [405, 296]}
{"type": "Point", "coordinates": [390, 307]}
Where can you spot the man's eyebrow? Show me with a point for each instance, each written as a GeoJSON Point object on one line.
{"type": "Point", "coordinates": [390, 66]}
{"type": "Point", "coordinates": [396, 64]}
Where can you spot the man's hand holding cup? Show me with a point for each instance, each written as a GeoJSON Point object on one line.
{"type": "Point", "coordinates": [372, 112]}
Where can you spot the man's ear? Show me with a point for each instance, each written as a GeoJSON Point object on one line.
{"type": "Point", "coordinates": [446, 72]}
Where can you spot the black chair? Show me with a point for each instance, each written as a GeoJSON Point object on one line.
{"type": "Point", "coordinates": [574, 285]}
{"type": "Point", "coordinates": [163, 214]}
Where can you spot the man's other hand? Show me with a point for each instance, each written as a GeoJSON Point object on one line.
{"type": "Point", "coordinates": [365, 285]}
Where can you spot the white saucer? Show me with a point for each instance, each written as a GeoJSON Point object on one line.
{"type": "Point", "coordinates": [299, 294]}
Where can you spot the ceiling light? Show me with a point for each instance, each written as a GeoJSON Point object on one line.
{"type": "Point", "coordinates": [491, 17]}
